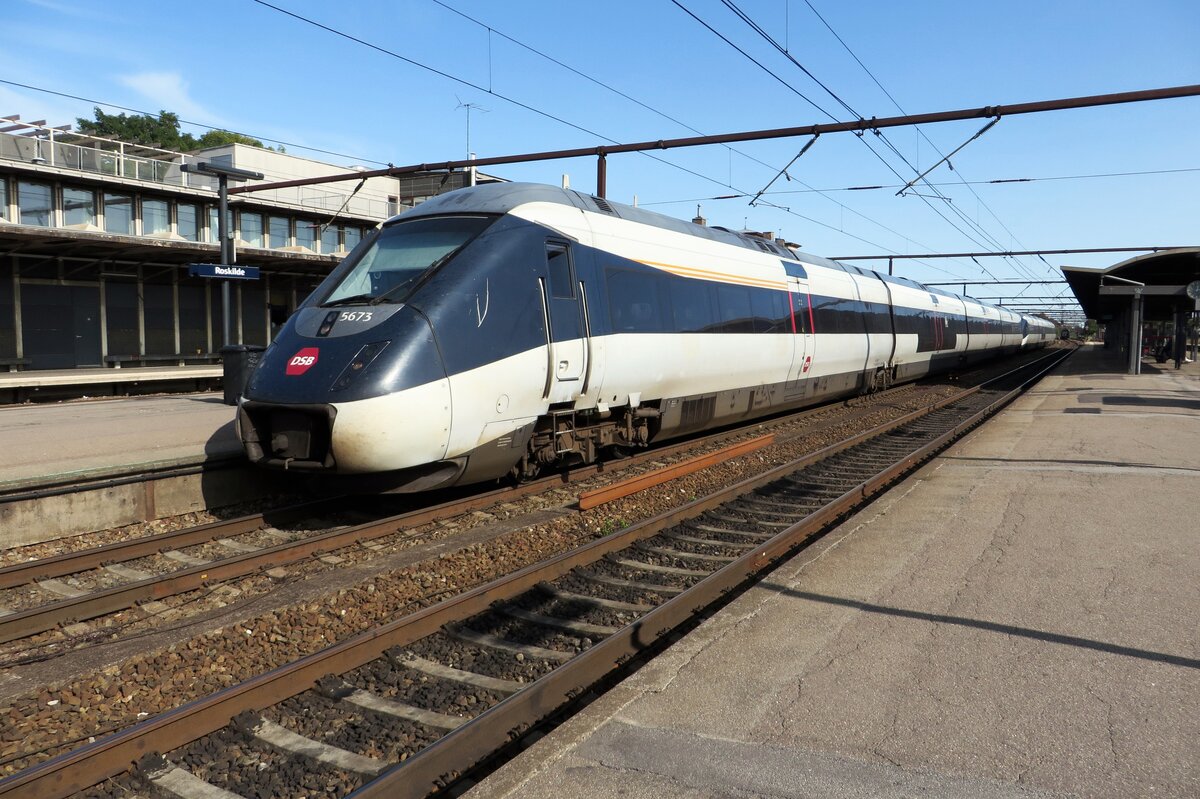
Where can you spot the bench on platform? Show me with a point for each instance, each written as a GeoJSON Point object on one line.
{"type": "Point", "coordinates": [13, 364]}
{"type": "Point", "coordinates": [115, 361]}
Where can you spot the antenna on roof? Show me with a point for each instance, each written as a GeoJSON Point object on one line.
{"type": "Point", "coordinates": [469, 106]}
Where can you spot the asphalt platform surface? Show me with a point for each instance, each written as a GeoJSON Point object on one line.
{"type": "Point", "coordinates": [90, 438]}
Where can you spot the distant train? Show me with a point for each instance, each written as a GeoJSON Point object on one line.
{"type": "Point", "coordinates": [509, 328]}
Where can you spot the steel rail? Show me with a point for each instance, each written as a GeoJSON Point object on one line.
{"type": "Point", "coordinates": [498, 726]}
{"type": "Point", "coordinates": [625, 488]}
{"type": "Point", "coordinates": [31, 621]}
{"type": "Point", "coordinates": [72, 562]}
{"type": "Point", "coordinates": [81, 768]}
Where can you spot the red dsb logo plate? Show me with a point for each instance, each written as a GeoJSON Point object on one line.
{"type": "Point", "coordinates": [302, 361]}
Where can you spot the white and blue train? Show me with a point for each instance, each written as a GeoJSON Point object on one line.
{"type": "Point", "coordinates": [506, 328]}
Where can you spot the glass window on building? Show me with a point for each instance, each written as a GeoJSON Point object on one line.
{"type": "Point", "coordinates": [216, 316]}
{"type": "Point", "coordinates": [187, 221]}
{"type": "Point", "coordinates": [279, 232]}
{"type": "Point", "coordinates": [3, 198]}
{"type": "Point", "coordinates": [306, 234]}
{"type": "Point", "coordinates": [279, 302]}
{"type": "Point", "coordinates": [8, 319]}
{"type": "Point", "coordinates": [156, 220]}
{"type": "Point", "coordinates": [121, 317]}
{"type": "Point", "coordinates": [251, 229]}
{"type": "Point", "coordinates": [79, 207]}
{"type": "Point", "coordinates": [330, 239]}
{"type": "Point", "coordinates": [32, 267]}
{"type": "Point", "coordinates": [36, 203]}
{"type": "Point", "coordinates": [254, 314]}
{"type": "Point", "coordinates": [118, 213]}
{"type": "Point", "coordinates": [353, 237]}
{"type": "Point", "coordinates": [214, 225]}
{"type": "Point", "coordinates": [193, 318]}
{"type": "Point", "coordinates": [158, 314]}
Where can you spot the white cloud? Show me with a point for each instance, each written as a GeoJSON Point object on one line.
{"type": "Point", "coordinates": [168, 91]}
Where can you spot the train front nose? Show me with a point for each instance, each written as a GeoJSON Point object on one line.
{"type": "Point", "coordinates": [371, 402]}
{"type": "Point", "coordinates": [407, 428]}
{"type": "Point", "coordinates": [287, 436]}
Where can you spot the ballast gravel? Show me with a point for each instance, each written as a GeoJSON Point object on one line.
{"type": "Point", "coordinates": [62, 716]}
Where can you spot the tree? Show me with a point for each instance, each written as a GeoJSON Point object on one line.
{"type": "Point", "coordinates": [215, 138]}
{"type": "Point", "coordinates": [159, 131]}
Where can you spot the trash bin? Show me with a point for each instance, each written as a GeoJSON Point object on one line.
{"type": "Point", "coordinates": [237, 362]}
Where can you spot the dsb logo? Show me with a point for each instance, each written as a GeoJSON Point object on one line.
{"type": "Point", "coordinates": [302, 361]}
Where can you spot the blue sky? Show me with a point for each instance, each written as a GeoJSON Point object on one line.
{"type": "Point", "coordinates": [241, 65]}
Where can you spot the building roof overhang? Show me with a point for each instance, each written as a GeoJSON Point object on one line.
{"type": "Point", "coordinates": [90, 245]}
{"type": "Point", "coordinates": [1163, 277]}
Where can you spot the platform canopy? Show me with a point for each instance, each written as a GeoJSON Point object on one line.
{"type": "Point", "coordinates": [34, 242]}
{"type": "Point", "coordinates": [1106, 293]}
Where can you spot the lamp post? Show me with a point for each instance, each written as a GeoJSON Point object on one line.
{"type": "Point", "coordinates": [223, 174]}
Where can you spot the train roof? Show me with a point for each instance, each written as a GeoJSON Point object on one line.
{"type": "Point", "coordinates": [503, 197]}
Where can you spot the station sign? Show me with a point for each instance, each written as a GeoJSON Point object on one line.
{"type": "Point", "coordinates": [224, 271]}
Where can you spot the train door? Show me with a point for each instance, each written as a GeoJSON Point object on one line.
{"type": "Point", "coordinates": [566, 339]}
{"type": "Point", "coordinates": [891, 322]}
{"type": "Point", "coordinates": [800, 306]}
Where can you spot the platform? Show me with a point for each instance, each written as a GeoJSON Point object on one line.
{"type": "Point", "coordinates": [188, 441]}
{"type": "Point", "coordinates": [73, 440]}
{"type": "Point", "coordinates": [57, 384]}
{"type": "Point", "coordinates": [1017, 619]}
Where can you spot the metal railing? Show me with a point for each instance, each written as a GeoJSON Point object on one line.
{"type": "Point", "coordinates": [44, 149]}
{"type": "Point", "coordinates": [115, 159]}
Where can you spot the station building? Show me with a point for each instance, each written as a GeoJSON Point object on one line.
{"type": "Point", "coordinates": [96, 236]}
{"type": "Point", "coordinates": [1144, 301]}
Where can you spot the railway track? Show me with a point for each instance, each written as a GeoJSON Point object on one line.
{"type": "Point", "coordinates": [418, 702]}
{"type": "Point", "coordinates": [73, 587]}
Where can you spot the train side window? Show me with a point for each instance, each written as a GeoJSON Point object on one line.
{"type": "Point", "coordinates": [558, 261]}
{"type": "Point", "coordinates": [634, 302]}
{"type": "Point", "coordinates": [691, 305]}
{"type": "Point", "coordinates": [734, 305]}
{"type": "Point", "coordinates": [765, 310]}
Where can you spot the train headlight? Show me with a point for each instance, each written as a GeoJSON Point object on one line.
{"type": "Point", "coordinates": [359, 363]}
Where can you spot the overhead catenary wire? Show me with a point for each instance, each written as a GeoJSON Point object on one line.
{"type": "Point", "coordinates": [866, 125]}
{"type": "Point", "coordinates": [545, 114]}
{"type": "Point", "coordinates": [995, 181]}
{"type": "Point", "coordinates": [1144, 95]}
{"type": "Point", "coordinates": [858, 126]}
{"type": "Point", "coordinates": [784, 171]}
{"type": "Point", "coordinates": [898, 107]}
{"type": "Point", "coordinates": [937, 193]}
{"type": "Point", "coordinates": [434, 70]}
{"type": "Point", "coordinates": [798, 93]}
{"type": "Point", "coordinates": [338, 212]}
{"type": "Point", "coordinates": [1015, 109]}
{"type": "Point", "coordinates": [863, 124]}
{"type": "Point", "coordinates": [664, 115]}
{"type": "Point", "coordinates": [65, 95]}
{"type": "Point", "coordinates": [946, 158]}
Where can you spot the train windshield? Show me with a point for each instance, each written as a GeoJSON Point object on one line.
{"type": "Point", "coordinates": [401, 255]}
